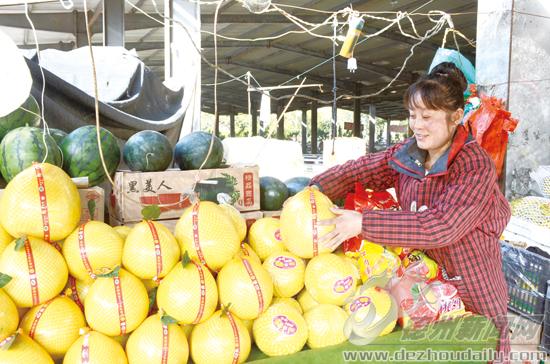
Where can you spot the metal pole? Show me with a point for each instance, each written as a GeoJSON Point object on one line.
{"type": "Point", "coordinates": [304, 131]}
{"type": "Point", "coordinates": [372, 127]}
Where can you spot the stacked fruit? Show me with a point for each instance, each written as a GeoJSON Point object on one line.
{"type": "Point", "coordinates": [145, 295]}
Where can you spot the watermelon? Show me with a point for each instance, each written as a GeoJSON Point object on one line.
{"type": "Point", "coordinates": [218, 189]}
{"type": "Point", "coordinates": [81, 154]}
{"type": "Point", "coordinates": [192, 149]}
{"type": "Point", "coordinates": [147, 151]}
{"type": "Point", "coordinates": [273, 193]}
{"type": "Point", "coordinates": [58, 135]}
{"type": "Point", "coordinates": [21, 117]}
{"type": "Point", "coordinates": [296, 184]}
{"type": "Point", "coordinates": [23, 146]}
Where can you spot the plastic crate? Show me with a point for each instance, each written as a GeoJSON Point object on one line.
{"type": "Point", "coordinates": [545, 339]}
{"type": "Point", "coordinates": [527, 275]}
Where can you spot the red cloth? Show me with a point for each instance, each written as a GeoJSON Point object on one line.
{"type": "Point", "coordinates": [465, 216]}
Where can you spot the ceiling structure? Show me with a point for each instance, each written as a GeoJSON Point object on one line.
{"type": "Point", "coordinates": [271, 62]}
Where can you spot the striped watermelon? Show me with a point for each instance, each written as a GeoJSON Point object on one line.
{"type": "Point", "coordinates": [81, 154]}
{"type": "Point", "coordinates": [23, 146]}
{"type": "Point", "coordinates": [21, 117]}
{"type": "Point", "coordinates": [148, 151]}
{"type": "Point", "coordinates": [192, 150]}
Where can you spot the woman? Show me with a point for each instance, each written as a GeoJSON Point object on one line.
{"type": "Point", "coordinates": [446, 184]}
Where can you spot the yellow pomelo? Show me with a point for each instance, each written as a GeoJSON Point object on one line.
{"type": "Point", "coordinates": [265, 237]}
{"type": "Point", "coordinates": [428, 266]}
{"type": "Point", "coordinates": [60, 196]}
{"type": "Point", "coordinates": [92, 248]}
{"type": "Point", "coordinates": [55, 325]}
{"type": "Point", "coordinates": [9, 317]}
{"type": "Point", "coordinates": [249, 324]}
{"type": "Point", "coordinates": [374, 260]}
{"type": "Point", "coordinates": [150, 250]}
{"type": "Point", "coordinates": [5, 239]}
{"type": "Point", "coordinates": [300, 230]}
{"type": "Point", "coordinates": [281, 330]}
{"type": "Point", "coordinates": [245, 287]}
{"type": "Point", "coordinates": [77, 290]}
{"type": "Point", "coordinates": [306, 301]}
{"type": "Point", "coordinates": [238, 220]}
{"type": "Point", "coordinates": [325, 325]}
{"type": "Point", "coordinates": [290, 302]}
{"type": "Point", "coordinates": [99, 348]}
{"type": "Point", "coordinates": [354, 262]}
{"type": "Point", "coordinates": [287, 271]}
{"type": "Point", "coordinates": [24, 350]}
{"type": "Point", "coordinates": [220, 339]}
{"type": "Point", "coordinates": [366, 300]}
{"type": "Point", "coordinates": [155, 342]}
{"type": "Point", "coordinates": [188, 293]}
{"type": "Point", "coordinates": [28, 289]}
{"type": "Point", "coordinates": [246, 251]}
{"type": "Point", "coordinates": [123, 231]}
{"type": "Point", "coordinates": [117, 304]}
{"type": "Point", "coordinates": [330, 279]}
{"type": "Point", "coordinates": [207, 233]}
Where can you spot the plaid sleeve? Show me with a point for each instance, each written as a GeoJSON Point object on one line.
{"type": "Point", "coordinates": [459, 209]}
{"type": "Point", "coordinates": [371, 170]}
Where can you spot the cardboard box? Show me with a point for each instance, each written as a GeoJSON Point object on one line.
{"type": "Point", "coordinates": [275, 214]}
{"type": "Point", "coordinates": [92, 198]}
{"type": "Point", "coordinates": [87, 195]}
{"type": "Point", "coordinates": [250, 218]}
{"type": "Point", "coordinates": [173, 190]}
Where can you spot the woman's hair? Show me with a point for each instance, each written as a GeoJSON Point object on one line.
{"type": "Point", "coordinates": [442, 89]}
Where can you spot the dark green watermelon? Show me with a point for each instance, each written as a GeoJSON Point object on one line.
{"type": "Point", "coordinates": [58, 135]}
{"type": "Point", "coordinates": [192, 149]}
{"type": "Point", "coordinates": [21, 117]}
{"type": "Point", "coordinates": [23, 146]}
{"type": "Point", "coordinates": [218, 189]}
{"type": "Point", "coordinates": [147, 151]}
{"type": "Point", "coordinates": [296, 184]}
{"type": "Point", "coordinates": [273, 193]}
{"type": "Point", "coordinates": [81, 154]}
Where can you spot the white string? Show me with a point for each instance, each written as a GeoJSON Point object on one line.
{"type": "Point", "coordinates": [45, 129]}
{"type": "Point", "coordinates": [67, 4]}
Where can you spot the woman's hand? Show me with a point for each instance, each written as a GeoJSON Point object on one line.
{"type": "Point", "coordinates": [348, 224]}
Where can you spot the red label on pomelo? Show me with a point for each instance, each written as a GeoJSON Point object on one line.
{"type": "Point", "coordinates": [158, 251]}
{"type": "Point", "coordinates": [244, 250]}
{"type": "Point", "coordinates": [43, 201]}
{"type": "Point", "coordinates": [196, 240]}
{"type": "Point", "coordinates": [256, 285]}
{"type": "Point", "coordinates": [83, 254]}
{"type": "Point", "coordinates": [285, 325]}
{"type": "Point", "coordinates": [120, 304]}
{"type": "Point", "coordinates": [278, 235]}
{"type": "Point", "coordinates": [165, 343]}
{"type": "Point", "coordinates": [237, 349]}
{"type": "Point", "coordinates": [85, 351]}
{"type": "Point", "coordinates": [314, 230]}
{"type": "Point", "coordinates": [74, 292]}
{"type": "Point", "coordinates": [37, 318]}
{"type": "Point", "coordinates": [203, 294]}
{"type": "Point", "coordinates": [33, 278]}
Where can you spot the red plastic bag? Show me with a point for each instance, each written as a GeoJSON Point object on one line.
{"type": "Point", "coordinates": [370, 200]}
{"type": "Point", "coordinates": [490, 125]}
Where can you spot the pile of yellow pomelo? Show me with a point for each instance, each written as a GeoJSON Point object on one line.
{"type": "Point", "coordinates": [92, 293]}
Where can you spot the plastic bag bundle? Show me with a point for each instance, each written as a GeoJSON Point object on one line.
{"type": "Point", "coordinates": [542, 179]}
{"type": "Point", "coordinates": [533, 209]}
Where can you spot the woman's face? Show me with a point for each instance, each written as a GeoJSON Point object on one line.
{"type": "Point", "coordinates": [433, 129]}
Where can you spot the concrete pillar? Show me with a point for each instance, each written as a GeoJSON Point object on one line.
{"type": "Point", "coordinates": [357, 132]}
{"type": "Point", "coordinates": [254, 115]}
{"type": "Point", "coordinates": [372, 127]}
{"type": "Point", "coordinates": [113, 22]}
{"type": "Point", "coordinates": [281, 124]}
{"type": "Point", "coordinates": [388, 132]}
{"type": "Point", "coordinates": [304, 131]}
{"type": "Point", "coordinates": [232, 122]}
{"type": "Point", "coordinates": [512, 63]}
{"type": "Point", "coordinates": [314, 127]}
